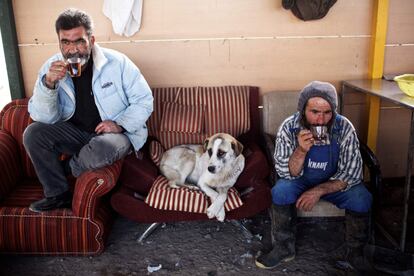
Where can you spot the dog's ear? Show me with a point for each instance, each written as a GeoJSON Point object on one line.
{"type": "Point", "coordinates": [237, 147]}
{"type": "Point", "coordinates": [205, 144]}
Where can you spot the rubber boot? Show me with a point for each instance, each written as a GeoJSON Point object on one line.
{"type": "Point", "coordinates": [356, 237]}
{"type": "Point", "coordinates": [283, 233]}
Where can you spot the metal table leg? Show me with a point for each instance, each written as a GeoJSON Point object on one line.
{"type": "Point", "coordinates": [407, 183]}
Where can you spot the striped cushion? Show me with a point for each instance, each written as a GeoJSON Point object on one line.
{"type": "Point", "coordinates": [156, 150]}
{"type": "Point", "coordinates": [172, 139]}
{"type": "Point", "coordinates": [182, 118]}
{"type": "Point", "coordinates": [226, 109]}
{"type": "Point", "coordinates": [162, 196]}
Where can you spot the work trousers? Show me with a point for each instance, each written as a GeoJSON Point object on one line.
{"type": "Point", "coordinates": [45, 144]}
{"type": "Point", "coordinates": [357, 198]}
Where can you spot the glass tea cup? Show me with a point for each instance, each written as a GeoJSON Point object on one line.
{"type": "Point", "coordinates": [320, 134]}
{"type": "Point", "coordinates": [74, 65]}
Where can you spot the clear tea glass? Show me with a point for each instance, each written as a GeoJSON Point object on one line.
{"type": "Point", "coordinates": [320, 135]}
{"type": "Point", "coordinates": [74, 66]}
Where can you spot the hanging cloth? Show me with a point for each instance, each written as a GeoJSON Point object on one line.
{"type": "Point", "coordinates": [308, 9]}
{"type": "Point", "coordinates": [125, 15]}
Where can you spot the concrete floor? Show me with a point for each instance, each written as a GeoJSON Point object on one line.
{"type": "Point", "coordinates": [193, 248]}
{"type": "Point", "coordinates": [188, 248]}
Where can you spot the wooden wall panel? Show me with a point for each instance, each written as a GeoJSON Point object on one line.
{"type": "Point", "coordinates": [35, 19]}
{"type": "Point", "coordinates": [252, 62]}
{"type": "Point", "coordinates": [32, 58]}
{"type": "Point", "coordinates": [172, 19]}
{"type": "Point", "coordinates": [399, 50]}
{"type": "Point", "coordinates": [399, 59]}
{"type": "Point", "coordinates": [400, 22]}
{"type": "Point", "coordinates": [255, 42]}
{"type": "Point", "coordinates": [208, 42]}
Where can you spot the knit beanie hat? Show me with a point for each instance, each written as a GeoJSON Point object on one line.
{"type": "Point", "coordinates": [321, 89]}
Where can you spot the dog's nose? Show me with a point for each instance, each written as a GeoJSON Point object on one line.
{"type": "Point", "coordinates": [211, 169]}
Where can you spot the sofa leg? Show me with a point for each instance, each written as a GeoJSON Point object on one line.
{"type": "Point", "coordinates": [148, 231]}
{"type": "Point", "coordinates": [246, 232]}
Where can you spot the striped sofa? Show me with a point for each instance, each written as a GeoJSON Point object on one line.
{"type": "Point", "coordinates": [81, 230]}
{"type": "Point", "coordinates": [188, 115]}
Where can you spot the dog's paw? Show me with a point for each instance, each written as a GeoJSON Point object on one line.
{"type": "Point", "coordinates": [221, 215]}
{"type": "Point", "coordinates": [173, 184]}
{"type": "Point", "coordinates": [212, 211]}
{"type": "Point", "coordinates": [210, 215]}
{"type": "Point", "coordinates": [192, 187]}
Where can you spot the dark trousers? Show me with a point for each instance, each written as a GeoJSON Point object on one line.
{"type": "Point", "coordinates": [45, 143]}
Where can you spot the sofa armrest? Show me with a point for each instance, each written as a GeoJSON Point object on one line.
{"type": "Point", "coordinates": [91, 186]}
{"type": "Point", "coordinates": [10, 168]}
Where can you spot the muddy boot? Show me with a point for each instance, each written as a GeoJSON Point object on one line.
{"type": "Point", "coordinates": [283, 234]}
{"type": "Point", "coordinates": [356, 237]}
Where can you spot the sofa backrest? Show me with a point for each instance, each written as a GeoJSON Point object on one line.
{"type": "Point", "coordinates": [14, 118]}
{"type": "Point", "coordinates": [188, 115]}
{"type": "Point", "coordinates": [277, 106]}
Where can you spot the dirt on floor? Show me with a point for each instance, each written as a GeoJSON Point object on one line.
{"type": "Point", "coordinates": [191, 248]}
{"type": "Point", "coordinates": [211, 248]}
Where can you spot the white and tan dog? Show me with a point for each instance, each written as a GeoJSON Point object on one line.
{"type": "Point", "coordinates": [214, 167]}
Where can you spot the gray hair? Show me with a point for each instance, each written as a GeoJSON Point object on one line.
{"type": "Point", "coordinates": [73, 18]}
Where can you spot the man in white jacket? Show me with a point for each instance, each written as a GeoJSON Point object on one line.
{"type": "Point", "coordinates": [97, 118]}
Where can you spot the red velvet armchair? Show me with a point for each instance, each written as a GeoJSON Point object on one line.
{"type": "Point", "coordinates": [81, 230]}
{"type": "Point", "coordinates": [188, 116]}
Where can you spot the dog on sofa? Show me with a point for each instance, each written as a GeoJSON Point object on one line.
{"type": "Point", "coordinates": [213, 167]}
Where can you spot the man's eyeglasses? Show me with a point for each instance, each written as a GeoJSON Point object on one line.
{"type": "Point", "coordinates": [77, 43]}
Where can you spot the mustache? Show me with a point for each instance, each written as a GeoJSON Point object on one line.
{"type": "Point", "coordinates": [83, 57]}
{"type": "Point", "coordinates": [78, 55]}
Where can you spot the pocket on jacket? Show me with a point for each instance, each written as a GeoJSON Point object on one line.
{"type": "Point", "coordinates": [110, 100]}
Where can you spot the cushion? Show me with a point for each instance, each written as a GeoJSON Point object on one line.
{"type": "Point", "coordinates": [135, 169]}
{"type": "Point", "coordinates": [218, 105]}
{"type": "Point", "coordinates": [255, 167]}
{"type": "Point", "coordinates": [156, 150]}
{"type": "Point", "coordinates": [162, 196]}
{"type": "Point", "coordinates": [182, 118]}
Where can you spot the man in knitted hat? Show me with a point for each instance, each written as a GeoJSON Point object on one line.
{"type": "Point", "coordinates": [309, 171]}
